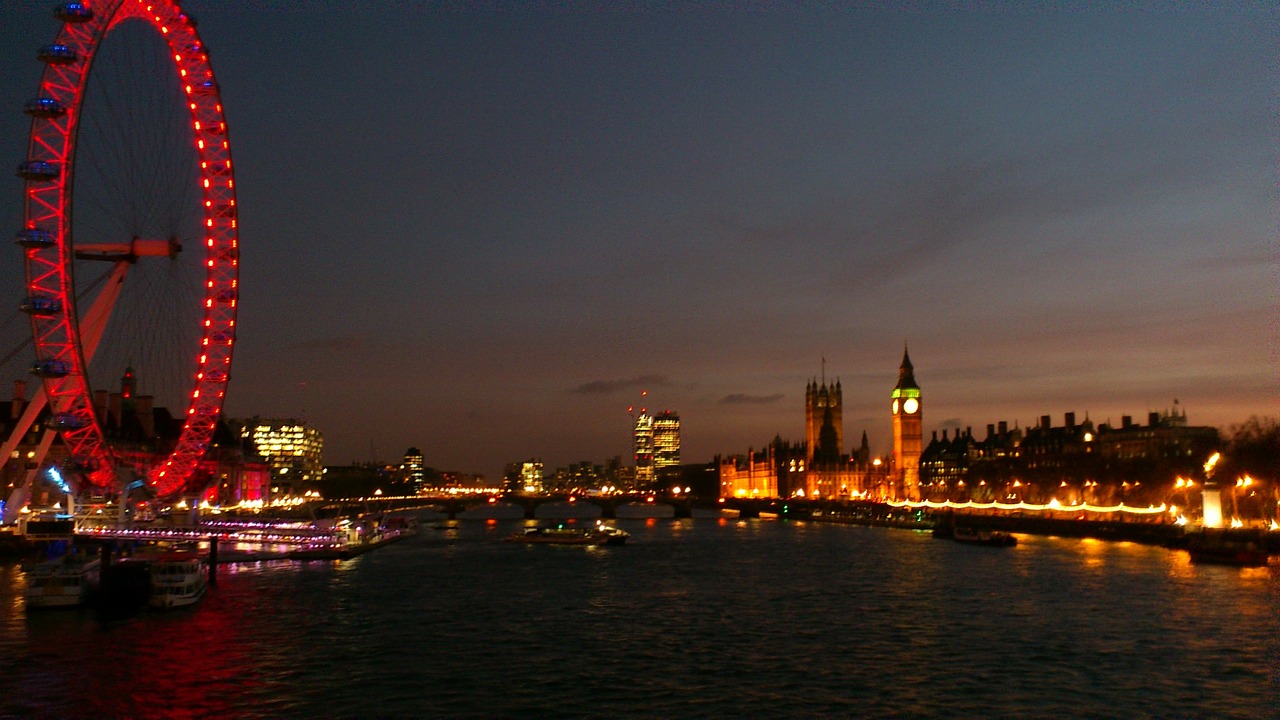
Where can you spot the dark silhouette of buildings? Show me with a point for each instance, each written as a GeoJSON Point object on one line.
{"type": "Point", "coordinates": [1073, 462]}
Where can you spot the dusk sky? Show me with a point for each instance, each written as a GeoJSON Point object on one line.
{"type": "Point", "coordinates": [484, 231]}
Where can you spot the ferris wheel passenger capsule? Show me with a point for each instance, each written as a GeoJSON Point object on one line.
{"type": "Point", "coordinates": [44, 107]}
{"type": "Point", "coordinates": [35, 238]}
{"type": "Point", "coordinates": [66, 421]}
{"type": "Point", "coordinates": [38, 170]}
{"type": "Point", "coordinates": [73, 12]}
{"type": "Point", "coordinates": [56, 54]}
{"type": "Point", "coordinates": [51, 369]}
{"type": "Point", "coordinates": [41, 305]}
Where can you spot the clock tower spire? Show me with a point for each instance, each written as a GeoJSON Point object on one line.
{"type": "Point", "coordinates": [908, 432]}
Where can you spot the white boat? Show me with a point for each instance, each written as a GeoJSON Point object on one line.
{"type": "Point", "coordinates": [562, 534]}
{"type": "Point", "coordinates": [65, 582]}
{"type": "Point", "coordinates": [177, 579]}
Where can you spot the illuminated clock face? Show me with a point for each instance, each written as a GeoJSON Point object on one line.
{"type": "Point", "coordinates": [895, 406]}
{"type": "Point", "coordinates": [910, 406]}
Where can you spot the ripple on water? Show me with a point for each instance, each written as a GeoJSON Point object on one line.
{"type": "Point", "coordinates": [694, 619]}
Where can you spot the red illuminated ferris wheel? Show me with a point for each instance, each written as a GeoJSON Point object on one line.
{"type": "Point", "coordinates": [130, 233]}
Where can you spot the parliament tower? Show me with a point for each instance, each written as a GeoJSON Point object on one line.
{"type": "Point", "coordinates": [908, 433]}
{"type": "Point", "coordinates": [823, 423]}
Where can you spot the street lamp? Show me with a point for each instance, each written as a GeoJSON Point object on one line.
{"type": "Point", "coordinates": [1242, 483]}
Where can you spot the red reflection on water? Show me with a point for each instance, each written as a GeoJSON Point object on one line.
{"type": "Point", "coordinates": [192, 662]}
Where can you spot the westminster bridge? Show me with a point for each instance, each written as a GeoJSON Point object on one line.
{"type": "Point", "coordinates": [1152, 529]}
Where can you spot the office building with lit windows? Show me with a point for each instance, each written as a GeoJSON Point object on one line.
{"type": "Point", "coordinates": [291, 448]}
{"type": "Point", "coordinates": [524, 477]}
{"type": "Point", "coordinates": [413, 470]}
{"type": "Point", "coordinates": [644, 450]}
{"type": "Point", "coordinates": [666, 441]}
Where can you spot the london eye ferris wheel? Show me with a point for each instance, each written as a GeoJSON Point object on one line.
{"type": "Point", "coordinates": [129, 235]}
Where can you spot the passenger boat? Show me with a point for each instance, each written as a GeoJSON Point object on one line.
{"type": "Point", "coordinates": [561, 534]}
{"type": "Point", "coordinates": [990, 538]}
{"type": "Point", "coordinates": [68, 581]}
{"type": "Point", "coordinates": [350, 537]}
{"type": "Point", "coordinates": [1221, 550]}
{"type": "Point", "coordinates": [177, 579]}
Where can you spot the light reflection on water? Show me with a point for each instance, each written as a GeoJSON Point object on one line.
{"type": "Point", "coordinates": [704, 618]}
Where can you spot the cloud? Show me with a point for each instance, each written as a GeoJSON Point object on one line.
{"type": "Point", "coordinates": [1244, 258]}
{"type": "Point", "coordinates": [744, 399]}
{"type": "Point", "coordinates": [335, 342]}
{"type": "Point", "coordinates": [602, 387]}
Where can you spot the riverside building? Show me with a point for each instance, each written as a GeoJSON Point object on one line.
{"type": "Point", "coordinates": [1081, 462]}
{"type": "Point", "coordinates": [291, 448]}
{"type": "Point", "coordinates": [818, 468]}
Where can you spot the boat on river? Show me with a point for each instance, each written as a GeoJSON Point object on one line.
{"type": "Point", "coordinates": [990, 538]}
{"type": "Point", "coordinates": [1218, 549]}
{"type": "Point", "coordinates": [352, 536]}
{"type": "Point", "coordinates": [562, 534]}
{"type": "Point", "coordinates": [178, 579]}
{"type": "Point", "coordinates": [68, 581]}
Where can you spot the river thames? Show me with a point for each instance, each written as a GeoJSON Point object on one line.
{"type": "Point", "coordinates": [693, 618]}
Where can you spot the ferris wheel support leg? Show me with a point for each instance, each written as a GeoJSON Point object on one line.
{"type": "Point", "coordinates": [95, 320]}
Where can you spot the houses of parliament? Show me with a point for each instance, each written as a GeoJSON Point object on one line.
{"type": "Point", "coordinates": [1079, 461]}
{"type": "Point", "coordinates": [819, 468]}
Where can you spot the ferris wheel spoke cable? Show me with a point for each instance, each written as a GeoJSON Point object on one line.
{"type": "Point", "coordinates": [131, 141]}
{"type": "Point", "coordinates": [159, 189]}
{"type": "Point", "coordinates": [111, 198]}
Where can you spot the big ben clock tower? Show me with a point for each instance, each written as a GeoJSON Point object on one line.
{"type": "Point", "coordinates": [908, 434]}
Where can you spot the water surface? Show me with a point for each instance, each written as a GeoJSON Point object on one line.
{"type": "Point", "coordinates": [693, 618]}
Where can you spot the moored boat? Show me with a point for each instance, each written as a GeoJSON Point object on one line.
{"type": "Point", "coordinates": [561, 534]}
{"type": "Point", "coordinates": [350, 537]}
{"type": "Point", "coordinates": [67, 581]}
{"type": "Point", "coordinates": [1222, 550]}
{"type": "Point", "coordinates": [990, 538]}
{"type": "Point", "coordinates": [177, 579]}
{"type": "Point", "coordinates": [405, 525]}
